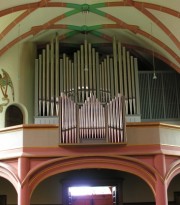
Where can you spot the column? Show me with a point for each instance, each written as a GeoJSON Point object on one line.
{"type": "Point", "coordinates": [23, 190]}
{"type": "Point", "coordinates": [161, 193]}
{"type": "Point", "coordinates": [23, 195]}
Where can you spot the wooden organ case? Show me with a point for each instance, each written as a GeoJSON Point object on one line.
{"type": "Point", "coordinates": [94, 91]}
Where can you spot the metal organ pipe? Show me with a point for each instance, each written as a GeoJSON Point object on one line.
{"type": "Point", "coordinates": [115, 68]}
{"type": "Point", "coordinates": [52, 78]}
{"type": "Point", "coordinates": [47, 80]}
{"type": "Point", "coordinates": [40, 85]}
{"type": "Point", "coordinates": [84, 74]}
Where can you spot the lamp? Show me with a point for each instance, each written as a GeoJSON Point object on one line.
{"type": "Point", "coordinates": [85, 11]}
{"type": "Point", "coordinates": [154, 72]}
{"type": "Point", "coordinates": [153, 60]}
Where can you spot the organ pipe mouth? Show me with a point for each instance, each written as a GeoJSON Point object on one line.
{"type": "Point", "coordinates": [154, 76]}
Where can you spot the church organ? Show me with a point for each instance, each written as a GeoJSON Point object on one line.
{"type": "Point", "coordinates": [84, 74]}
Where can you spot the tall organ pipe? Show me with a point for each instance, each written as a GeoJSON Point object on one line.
{"type": "Point", "coordinates": [83, 74]}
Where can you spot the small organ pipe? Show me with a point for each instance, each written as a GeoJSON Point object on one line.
{"type": "Point", "coordinates": [52, 78]}
{"type": "Point", "coordinates": [97, 76]}
{"type": "Point", "coordinates": [64, 73]}
{"type": "Point", "coordinates": [79, 76]}
{"type": "Point", "coordinates": [61, 76]}
{"type": "Point", "coordinates": [86, 69]}
{"type": "Point", "coordinates": [108, 77]}
{"type": "Point", "coordinates": [83, 86]}
{"type": "Point", "coordinates": [137, 86]}
{"type": "Point", "coordinates": [129, 83]}
{"type": "Point", "coordinates": [47, 78]}
{"type": "Point", "coordinates": [36, 96]}
{"type": "Point", "coordinates": [94, 81]}
{"type": "Point", "coordinates": [125, 73]}
{"type": "Point", "coordinates": [43, 82]}
{"type": "Point", "coordinates": [70, 77]}
{"type": "Point", "coordinates": [40, 83]}
{"type": "Point", "coordinates": [125, 79]}
{"type": "Point", "coordinates": [100, 81]}
{"type": "Point", "coordinates": [133, 85]}
{"type": "Point", "coordinates": [67, 74]}
{"type": "Point", "coordinates": [90, 67]}
{"type": "Point", "coordinates": [57, 66]}
{"type": "Point", "coordinates": [75, 76]}
{"type": "Point", "coordinates": [120, 68]}
{"type": "Point", "coordinates": [115, 67]}
{"type": "Point", "coordinates": [111, 78]}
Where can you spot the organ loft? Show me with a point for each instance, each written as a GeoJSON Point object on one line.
{"type": "Point", "coordinates": [89, 96]}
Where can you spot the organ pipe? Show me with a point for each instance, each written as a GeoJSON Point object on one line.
{"type": "Point", "coordinates": [36, 91]}
{"type": "Point", "coordinates": [137, 86]}
{"type": "Point", "coordinates": [92, 121]}
{"type": "Point", "coordinates": [52, 78]}
{"type": "Point", "coordinates": [115, 68]}
{"type": "Point", "coordinates": [120, 72]}
{"type": "Point", "coordinates": [85, 73]}
{"type": "Point", "coordinates": [47, 79]}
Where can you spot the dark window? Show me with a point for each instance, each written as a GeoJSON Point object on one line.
{"type": "Point", "coordinates": [3, 199]}
{"type": "Point", "coordinates": [13, 116]}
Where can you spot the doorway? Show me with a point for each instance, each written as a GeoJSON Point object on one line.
{"type": "Point", "coordinates": [92, 187]}
{"type": "Point", "coordinates": [91, 195]}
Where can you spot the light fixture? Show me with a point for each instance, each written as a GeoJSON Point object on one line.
{"type": "Point", "coordinates": [85, 11]}
{"type": "Point", "coordinates": [153, 59]}
{"type": "Point", "coordinates": [154, 68]}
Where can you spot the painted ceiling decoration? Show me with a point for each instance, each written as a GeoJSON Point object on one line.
{"type": "Point", "coordinates": [141, 26]}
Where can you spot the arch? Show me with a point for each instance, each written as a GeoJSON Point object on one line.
{"type": "Point", "coordinates": [7, 172]}
{"type": "Point", "coordinates": [121, 163]}
{"type": "Point", "coordinates": [15, 114]}
{"type": "Point", "coordinates": [174, 171]}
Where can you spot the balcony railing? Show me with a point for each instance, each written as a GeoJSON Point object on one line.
{"type": "Point", "coordinates": [92, 122]}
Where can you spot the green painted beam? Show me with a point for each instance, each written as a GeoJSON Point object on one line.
{"type": "Point", "coordinates": [98, 12]}
{"type": "Point", "coordinates": [70, 13]}
{"type": "Point", "coordinates": [75, 6]}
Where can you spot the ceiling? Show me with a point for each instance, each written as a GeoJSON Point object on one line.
{"type": "Point", "coordinates": [147, 28]}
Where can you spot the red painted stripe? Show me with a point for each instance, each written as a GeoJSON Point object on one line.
{"type": "Point", "coordinates": [16, 40]}
{"type": "Point", "coordinates": [144, 5]}
{"type": "Point", "coordinates": [31, 6]}
{"type": "Point", "coordinates": [149, 51]}
{"type": "Point", "coordinates": [160, 43]}
{"type": "Point", "coordinates": [15, 22]}
{"type": "Point", "coordinates": [160, 25]}
{"type": "Point", "coordinates": [158, 8]}
{"type": "Point", "coordinates": [20, 18]}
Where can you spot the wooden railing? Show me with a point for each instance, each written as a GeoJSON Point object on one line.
{"type": "Point", "coordinates": [92, 122]}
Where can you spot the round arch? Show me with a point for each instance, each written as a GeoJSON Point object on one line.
{"type": "Point", "coordinates": [173, 172]}
{"type": "Point", "coordinates": [16, 114]}
{"type": "Point", "coordinates": [7, 173]}
{"type": "Point", "coordinates": [126, 164]}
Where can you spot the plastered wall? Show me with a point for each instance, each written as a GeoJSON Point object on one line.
{"type": "Point", "coordinates": [18, 62]}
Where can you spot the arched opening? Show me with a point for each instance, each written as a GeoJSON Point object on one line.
{"type": "Point", "coordinates": [8, 194]}
{"type": "Point", "coordinates": [13, 116]}
{"type": "Point", "coordinates": [174, 191]}
{"type": "Point", "coordinates": [125, 188]}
